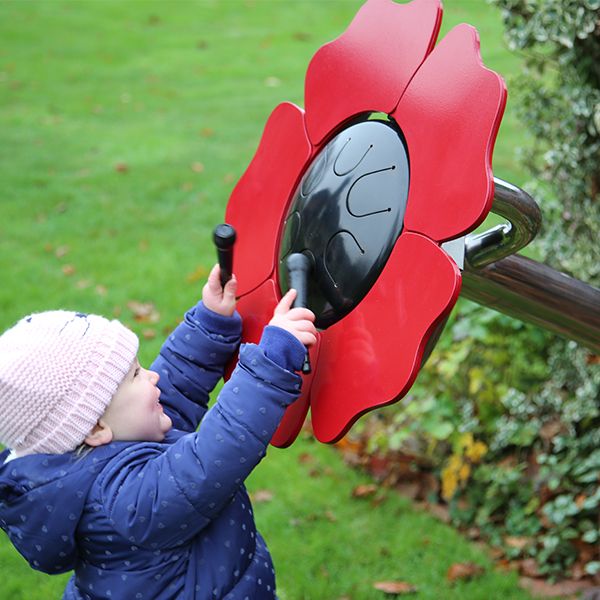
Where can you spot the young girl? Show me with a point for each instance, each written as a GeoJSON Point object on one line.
{"type": "Point", "coordinates": [104, 471]}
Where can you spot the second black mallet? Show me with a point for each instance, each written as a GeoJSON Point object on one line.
{"type": "Point", "coordinates": [299, 267]}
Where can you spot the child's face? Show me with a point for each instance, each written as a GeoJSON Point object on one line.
{"type": "Point", "coordinates": [134, 413]}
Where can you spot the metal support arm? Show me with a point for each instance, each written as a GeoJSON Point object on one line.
{"type": "Point", "coordinates": [523, 288]}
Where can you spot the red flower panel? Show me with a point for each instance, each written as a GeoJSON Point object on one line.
{"type": "Point", "coordinates": [446, 107]}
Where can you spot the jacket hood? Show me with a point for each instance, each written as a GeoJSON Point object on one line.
{"type": "Point", "coordinates": [42, 497]}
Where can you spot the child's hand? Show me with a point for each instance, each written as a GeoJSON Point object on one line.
{"type": "Point", "coordinates": [218, 299]}
{"type": "Point", "coordinates": [297, 321]}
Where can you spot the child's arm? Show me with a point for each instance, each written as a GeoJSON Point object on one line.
{"type": "Point", "coordinates": [167, 498]}
{"type": "Point", "coordinates": [192, 359]}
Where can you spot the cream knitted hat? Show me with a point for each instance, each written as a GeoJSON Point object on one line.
{"type": "Point", "coordinates": [58, 372]}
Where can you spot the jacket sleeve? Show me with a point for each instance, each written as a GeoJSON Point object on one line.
{"type": "Point", "coordinates": [163, 499]}
{"type": "Point", "coordinates": [191, 362]}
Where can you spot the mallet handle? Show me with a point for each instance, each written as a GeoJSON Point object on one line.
{"type": "Point", "coordinates": [224, 239]}
{"type": "Point", "coordinates": [299, 266]}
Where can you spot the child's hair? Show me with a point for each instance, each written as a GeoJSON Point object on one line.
{"type": "Point", "coordinates": [58, 372]}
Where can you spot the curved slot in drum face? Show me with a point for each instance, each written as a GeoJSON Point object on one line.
{"type": "Point", "coordinates": [346, 215]}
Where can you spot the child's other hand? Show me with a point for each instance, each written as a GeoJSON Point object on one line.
{"type": "Point", "coordinates": [297, 321]}
{"type": "Point", "coordinates": [218, 299]}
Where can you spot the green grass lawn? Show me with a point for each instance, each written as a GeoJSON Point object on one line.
{"type": "Point", "coordinates": [123, 128]}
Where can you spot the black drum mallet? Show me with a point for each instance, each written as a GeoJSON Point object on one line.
{"type": "Point", "coordinates": [299, 267]}
{"type": "Point", "coordinates": [224, 239]}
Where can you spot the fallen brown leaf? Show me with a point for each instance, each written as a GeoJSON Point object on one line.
{"type": "Point", "coordinates": [262, 496]}
{"type": "Point", "coordinates": [378, 500]}
{"type": "Point", "coordinates": [586, 552]}
{"type": "Point", "coordinates": [61, 251]}
{"type": "Point", "coordinates": [346, 444]}
{"type": "Point", "coordinates": [305, 458]}
{"type": "Point", "coordinates": [143, 312]}
{"type": "Point", "coordinates": [518, 542]}
{"type": "Point", "coordinates": [593, 359]}
{"type": "Point", "coordinates": [197, 167]}
{"type": "Point", "coordinates": [577, 573]}
{"type": "Point", "coordinates": [68, 270]}
{"type": "Point", "coordinates": [409, 489]}
{"type": "Point", "coordinates": [441, 512]}
{"type": "Point", "coordinates": [529, 567]}
{"type": "Point", "coordinates": [148, 334]}
{"type": "Point", "coordinates": [330, 516]}
{"type": "Point", "coordinates": [503, 564]}
{"type": "Point", "coordinates": [550, 429]}
{"type": "Point", "coordinates": [121, 167]}
{"type": "Point", "coordinates": [509, 462]}
{"type": "Point", "coordinates": [364, 490]}
{"type": "Point", "coordinates": [539, 587]}
{"type": "Point", "coordinates": [395, 587]}
{"type": "Point", "coordinates": [466, 570]}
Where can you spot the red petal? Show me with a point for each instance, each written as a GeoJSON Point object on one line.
{"type": "Point", "coordinates": [450, 115]}
{"type": "Point", "coordinates": [369, 66]}
{"type": "Point", "coordinates": [256, 309]}
{"type": "Point", "coordinates": [371, 357]}
{"type": "Point", "coordinates": [257, 204]}
{"type": "Point", "coordinates": [295, 415]}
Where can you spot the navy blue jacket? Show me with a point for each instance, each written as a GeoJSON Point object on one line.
{"type": "Point", "coordinates": [146, 520]}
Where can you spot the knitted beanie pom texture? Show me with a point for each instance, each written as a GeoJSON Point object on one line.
{"type": "Point", "coordinates": [58, 372]}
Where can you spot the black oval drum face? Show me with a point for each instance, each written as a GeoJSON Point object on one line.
{"type": "Point", "coordinates": [347, 214]}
